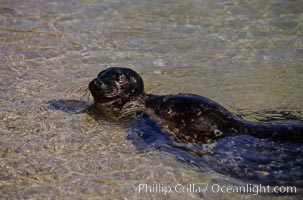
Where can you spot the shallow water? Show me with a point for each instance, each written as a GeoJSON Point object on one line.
{"type": "Point", "coordinates": [245, 55]}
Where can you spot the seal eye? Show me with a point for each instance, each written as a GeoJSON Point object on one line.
{"type": "Point", "coordinates": [120, 78]}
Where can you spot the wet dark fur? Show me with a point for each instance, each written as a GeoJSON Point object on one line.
{"type": "Point", "coordinates": [119, 93]}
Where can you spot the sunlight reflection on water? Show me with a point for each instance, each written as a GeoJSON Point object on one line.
{"type": "Point", "coordinates": [246, 55]}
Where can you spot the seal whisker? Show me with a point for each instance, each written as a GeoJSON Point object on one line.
{"type": "Point", "coordinates": [86, 94]}
{"type": "Point", "coordinates": [128, 112]}
{"type": "Point", "coordinates": [132, 108]}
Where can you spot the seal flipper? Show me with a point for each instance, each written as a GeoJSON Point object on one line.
{"type": "Point", "coordinates": [68, 106]}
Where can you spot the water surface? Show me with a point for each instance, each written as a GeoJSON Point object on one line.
{"type": "Point", "coordinates": [245, 55]}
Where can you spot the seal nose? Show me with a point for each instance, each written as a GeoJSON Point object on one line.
{"type": "Point", "coordinates": [98, 82]}
{"type": "Point", "coordinates": [95, 85]}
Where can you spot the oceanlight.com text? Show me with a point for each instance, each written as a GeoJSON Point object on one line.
{"type": "Point", "coordinates": [215, 188]}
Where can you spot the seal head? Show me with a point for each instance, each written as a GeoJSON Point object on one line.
{"type": "Point", "coordinates": [116, 84]}
{"type": "Point", "coordinates": [117, 89]}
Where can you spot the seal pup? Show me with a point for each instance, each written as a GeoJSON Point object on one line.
{"type": "Point", "coordinates": [119, 93]}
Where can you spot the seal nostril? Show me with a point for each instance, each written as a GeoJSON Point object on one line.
{"type": "Point", "coordinates": [100, 84]}
{"type": "Point", "coordinates": [97, 82]}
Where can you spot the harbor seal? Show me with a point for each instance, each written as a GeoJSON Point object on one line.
{"type": "Point", "coordinates": [119, 93]}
